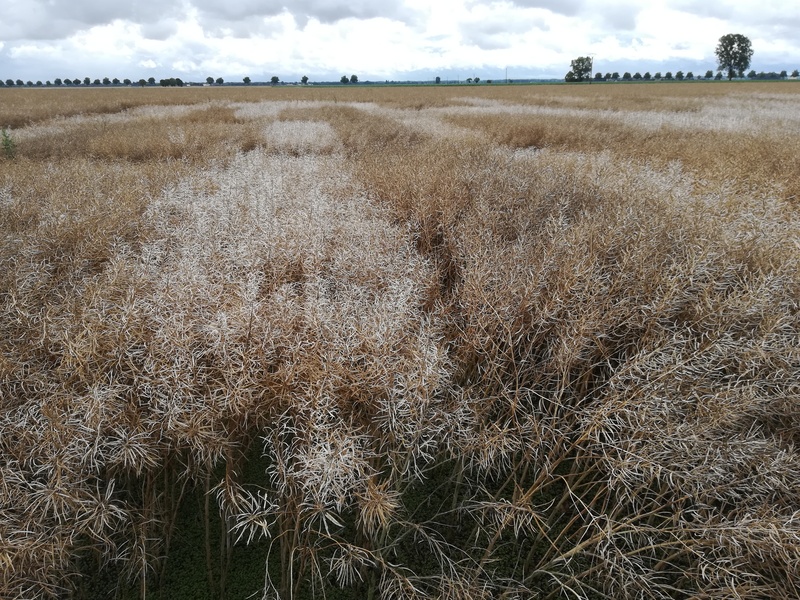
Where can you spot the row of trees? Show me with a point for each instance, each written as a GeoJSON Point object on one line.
{"type": "Point", "coordinates": [76, 81]}
{"type": "Point", "coordinates": [678, 76]}
{"type": "Point", "coordinates": [167, 82]}
{"type": "Point", "coordinates": [771, 75]}
{"type": "Point", "coordinates": [172, 81]}
{"type": "Point", "coordinates": [734, 52]}
{"type": "Point", "coordinates": [275, 80]}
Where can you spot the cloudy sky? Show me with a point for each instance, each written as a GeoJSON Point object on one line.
{"type": "Point", "coordinates": [381, 39]}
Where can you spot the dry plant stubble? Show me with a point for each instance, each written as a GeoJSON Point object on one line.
{"type": "Point", "coordinates": [544, 337]}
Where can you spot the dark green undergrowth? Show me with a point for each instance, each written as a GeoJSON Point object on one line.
{"type": "Point", "coordinates": [436, 512]}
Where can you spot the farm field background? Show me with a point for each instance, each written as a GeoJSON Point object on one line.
{"type": "Point", "coordinates": [430, 342]}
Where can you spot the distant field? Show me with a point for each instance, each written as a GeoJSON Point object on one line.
{"type": "Point", "coordinates": [401, 342]}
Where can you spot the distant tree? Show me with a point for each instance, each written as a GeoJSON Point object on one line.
{"type": "Point", "coordinates": [58, 81]}
{"type": "Point", "coordinates": [690, 75]}
{"type": "Point", "coordinates": [142, 82]}
{"type": "Point", "coordinates": [477, 80]}
{"type": "Point", "coordinates": [795, 73]}
{"type": "Point", "coordinates": [39, 83]}
{"type": "Point", "coordinates": [10, 82]}
{"type": "Point", "coordinates": [569, 78]}
{"type": "Point", "coordinates": [29, 83]}
{"type": "Point", "coordinates": [637, 76]}
{"type": "Point", "coordinates": [668, 75]}
{"type": "Point", "coordinates": [647, 76]}
{"type": "Point", "coordinates": [598, 76]}
{"type": "Point", "coordinates": [19, 82]}
{"type": "Point", "coordinates": [275, 80]}
{"type": "Point", "coordinates": [106, 81]}
{"type": "Point", "coordinates": [626, 76]}
{"type": "Point", "coordinates": [126, 81]}
{"type": "Point", "coordinates": [657, 76]}
{"type": "Point", "coordinates": [752, 75]}
{"type": "Point", "coordinates": [615, 76]}
{"type": "Point", "coordinates": [304, 79]}
{"type": "Point", "coordinates": [734, 52]}
{"type": "Point", "coordinates": [718, 76]}
{"type": "Point", "coordinates": [438, 79]}
{"type": "Point", "coordinates": [49, 83]}
{"type": "Point", "coordinates": [709, 74]}
{"type": "Point", "coordinates": [783, 75]}
{"type": "Point", "coordinates": [353, 79]}
{"type": "Point", "coordinates": [469, 79]}
{"type": "Point", "coordinates": [96, 82]}
{"type": "Point", "coordinates": [87, 81]}
{"type": "Point", "coordinates": [2, 83]}
{"type": "Point", "coordinates": [581, 68]}
{"type": "Point", "coordinates": [220, 81]}
{"type": "Point", "coordinates": [246, 80]}
{"type": "Point", "coordinates": [209, 80]}
{"type": "Point", "coordinates": [151, 80]}
{"type": "Point", "coordinates": [607, 76]}
{"type": "Point", "coordinates": [679, 75]}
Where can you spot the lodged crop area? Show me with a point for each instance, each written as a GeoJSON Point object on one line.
{"type": "Point", "coordinates": [434, 342]}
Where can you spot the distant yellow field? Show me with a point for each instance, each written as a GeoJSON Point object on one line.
{"type": "Point", "coordinates": [395, 342]}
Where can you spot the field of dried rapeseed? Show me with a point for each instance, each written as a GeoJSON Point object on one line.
{"type": "Point", "coordinates": [446, 342]}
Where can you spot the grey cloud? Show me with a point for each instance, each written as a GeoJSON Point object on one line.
{"type": "Point", "coordinates": [160, 30]}
{"type": "Point", "coordinates": [772, 19]}
{"type": "Point", "coordinates": [235, 10]}
{"type": "Point", "coordinates": [702, 8]}
{"type": "Point", "coordinates": [243, 28]}
{"type": "Point", "coordinates": [325, 11]}
{"type": "Point", "coordinates": [568, 8]}
{"type": "Point", "coordinates": [616, 15]}
{"type": "Point", "coordinates": [496, 32]}
{"type": "Point", "coordinates": [754, 13]}
{"type": "Point", "coordinates": [619, 17]}
{"type": "Point", "coordinates": [98, 12]}
{"type": "Point", "coordinates": [56, 19]}
{"type": "Point", "coordinates": [330, 11]}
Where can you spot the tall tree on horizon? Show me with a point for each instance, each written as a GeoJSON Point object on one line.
{"type": "Point", "coordinates": [734, 52]}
